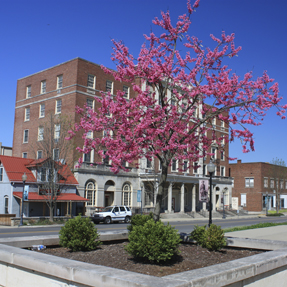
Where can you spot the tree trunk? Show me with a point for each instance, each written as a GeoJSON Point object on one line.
{"type": "Point", "coordinates": [162, 187]}
{"type": "Point", "coordinates": [51, 209]}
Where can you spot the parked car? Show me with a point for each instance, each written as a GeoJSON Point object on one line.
{"type": "Point", "coordinates": [113, 213]}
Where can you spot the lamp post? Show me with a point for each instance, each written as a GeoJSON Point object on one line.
{"type": "Point", "coordinates": [223, 194]}
{"type": "Point", "coordinates": [211, 170]}
{"type": "Point", "coordinates": [142, 185]}
{"type": "Point", "coordinates": [24, 178]}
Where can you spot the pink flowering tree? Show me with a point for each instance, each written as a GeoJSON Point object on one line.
{"type": "Point", "coordinates": [176, 98]}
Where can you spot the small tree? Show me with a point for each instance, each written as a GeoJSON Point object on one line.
{"type": "Point", "coordinates": [180, 88]}
{"type": "Point", "coordinates": [52, 160]}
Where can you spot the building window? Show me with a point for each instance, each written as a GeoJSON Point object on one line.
{"type": "Point", "coordinates": [1, 173]}
{"type": "Point", "coordinates": [42, 111]}
{"type": "Point", "coordinates": [222, 125]}
{"type": "Point", "coordinates": [40, 133]}
{"type": "Point", "coordinates": [43, 174]}
{"type": "Point", "coordinates": [26, 136]}
{"type": "Point", "coordinates": [58, 109]}
{"type": "Point", "coordinates": [185, 165]}
{"type": "Point", "coordinates": [174, 165]}
{"type": "Point", "coordinates": [24, 155]}
{"type": "Point", "coordinates": [28, 92]}
{"type": "Point", "coordinates": [90, 193]}
{"type": "Point", "coordinates": [90, 103]}
{"type": "Point", "coordinates": [249, 182]}
{"type": "Point", "coordinates": [87, 157]}
{"type": "Point", "coordinates": [213, 151]}
{"type": "Point", "coordinates": [91, 81]}
{"type": "Point", "coordinates": [222, 171]}
{"type": "Point", "coordinates": [106, 158]}
{"type": "Point", "coordinates": [272, 182]}
{"type": "Point", "coordinates": [6, 204]}
{"type": "Point", "coordinates": [195, 167]}
{"type": "Point", "coordinates": [43, 87]}
{"type": "Point", "coordinates": [148, 163]}
{"type": "Point", "coordinates": [127, 196]}
{"type": "Point", "coordinates": [222, 155]}
{"type": "Point", "coordinates": [56, 154]}
{"type": "Point", "coordinates": [109, 86]}
{"type": "Point", "coordinates": [126, 91]}
{"type": "Point", "coordinates": [27, 114]}
{"type": "Point", "coordinates": [281, 184]}
{"type": "Point", "coordinates": [243, 199]}
{"type": "Point", "coordinates": [266, 182]}
{"type": "Point", "coordinates": [57, 130]}
{"type": "Point", "coordinates": [60, 82]}
{"type": "Point", "coordinates": [39, 154]}
{"type": "Point", "coordinates": [285, 184]}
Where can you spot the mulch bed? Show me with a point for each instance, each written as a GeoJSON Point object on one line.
{"type": "Point", "coordinates": [190, 257]}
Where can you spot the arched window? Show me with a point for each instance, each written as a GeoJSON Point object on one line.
{"type": "Point", "coordinates": [90, 193]}
{"type": "Point", "coordinates": [6, 204]}
{"type": "Point", "coordinates": [127, 194]}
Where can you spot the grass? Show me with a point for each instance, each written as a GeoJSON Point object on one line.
{"type": "Point", "coordinates": [259, 225]}
{"type": "Point", "coordinates": [274, 211]}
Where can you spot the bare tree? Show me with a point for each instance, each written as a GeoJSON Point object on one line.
{"type": "Point", "coordinates": [53, 158]}
{"type": "Point", "coordinates": [278, 172]}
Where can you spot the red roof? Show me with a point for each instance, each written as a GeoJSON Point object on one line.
{"type": "Point", "coordinates": [16, 166]}
{"type": "Point", "coordinates": [34, 196]}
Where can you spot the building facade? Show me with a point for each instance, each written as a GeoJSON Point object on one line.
{"type": "Point", "coordinates": [259, 184]}
{"type": "Point", "coordinates": [57, 91]}
{"type": "Point", "coordinates": [35, 203]}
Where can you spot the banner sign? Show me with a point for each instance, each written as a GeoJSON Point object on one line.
{"type": "Point", "coordinates": [139, 196]}
{"type": "Point", "coordinates": [26, 193]}
{"type": "Point", "coordinates": [203, 190]}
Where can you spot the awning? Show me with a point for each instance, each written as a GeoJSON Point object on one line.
{"type": "Point", "coordinates": [63, 197]}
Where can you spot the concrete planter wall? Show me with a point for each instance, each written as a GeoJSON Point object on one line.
{"type": "Point", "coordinates": [19, 267]}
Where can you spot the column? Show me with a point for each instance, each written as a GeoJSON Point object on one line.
{"type": "Point", "coordinates": [193, 193]}
{"type": "Point", "coordinates": [182, 198]}
{"type": "Point", "coordinates": [169, 198]}
{"type": "Point", "coordinates": [213, 197]}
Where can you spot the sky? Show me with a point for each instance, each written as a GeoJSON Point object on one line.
{"type": "Point", "coordinates": [36, 35]}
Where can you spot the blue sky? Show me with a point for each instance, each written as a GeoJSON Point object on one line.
{"type": "Point", "coordinates": [36, 35]}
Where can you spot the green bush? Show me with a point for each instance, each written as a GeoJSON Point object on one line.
{"type": "Point", "coordinates": [214, 238]}
{"type": "Point", "coordinates": [79, 234]}
{"type": "Point", "coordinates": [139, 220]}
{"type": "Point", "coordinates": [211, 238]}
{"type": "Point", "coordinates": [153, 241]}
{"type": "Point", "coordinates": [275, 214]}
{"type": "Point", "coordinates": [198, 234]}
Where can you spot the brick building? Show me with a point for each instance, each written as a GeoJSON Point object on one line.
{"type": "Point", "coordinates": [57, 91]}
{"type": "Point", "coordinates": [254, 181]}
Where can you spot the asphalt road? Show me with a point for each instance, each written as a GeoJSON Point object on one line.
{"type": "Point", "coordinates": [181, 226]}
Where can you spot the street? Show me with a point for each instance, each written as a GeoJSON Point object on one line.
{"type": "Point", "coordinates": [185, 226]}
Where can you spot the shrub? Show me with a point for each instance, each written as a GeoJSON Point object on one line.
{"type": "Point", "coordinates": [198, 234]}
{"type": "Point", "coordinates": [211, 238]}
{"type": "Point", "coordinates": [153, 241]}
{"type": "Point", "coordinates": [79, 234]}
{"type": "Point", "coordinates": [214, 238]}
{"type": "Point", "coordinates": [139, 220]}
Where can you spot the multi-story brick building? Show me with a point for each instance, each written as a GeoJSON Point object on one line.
{"type": "Point", "coordinates": [254, 181]}
{"type": "Point", "coordinates": [58, 90]}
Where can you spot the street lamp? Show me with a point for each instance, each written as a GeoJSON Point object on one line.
{"type": "Point", "coordinates": [142, 185]}
{"type": "Point", "coordinates": [24, 178]}
{"type": "Point", "coordinates": [211, 170]}
{"type": "Point", "coordinates": [223, 194]}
